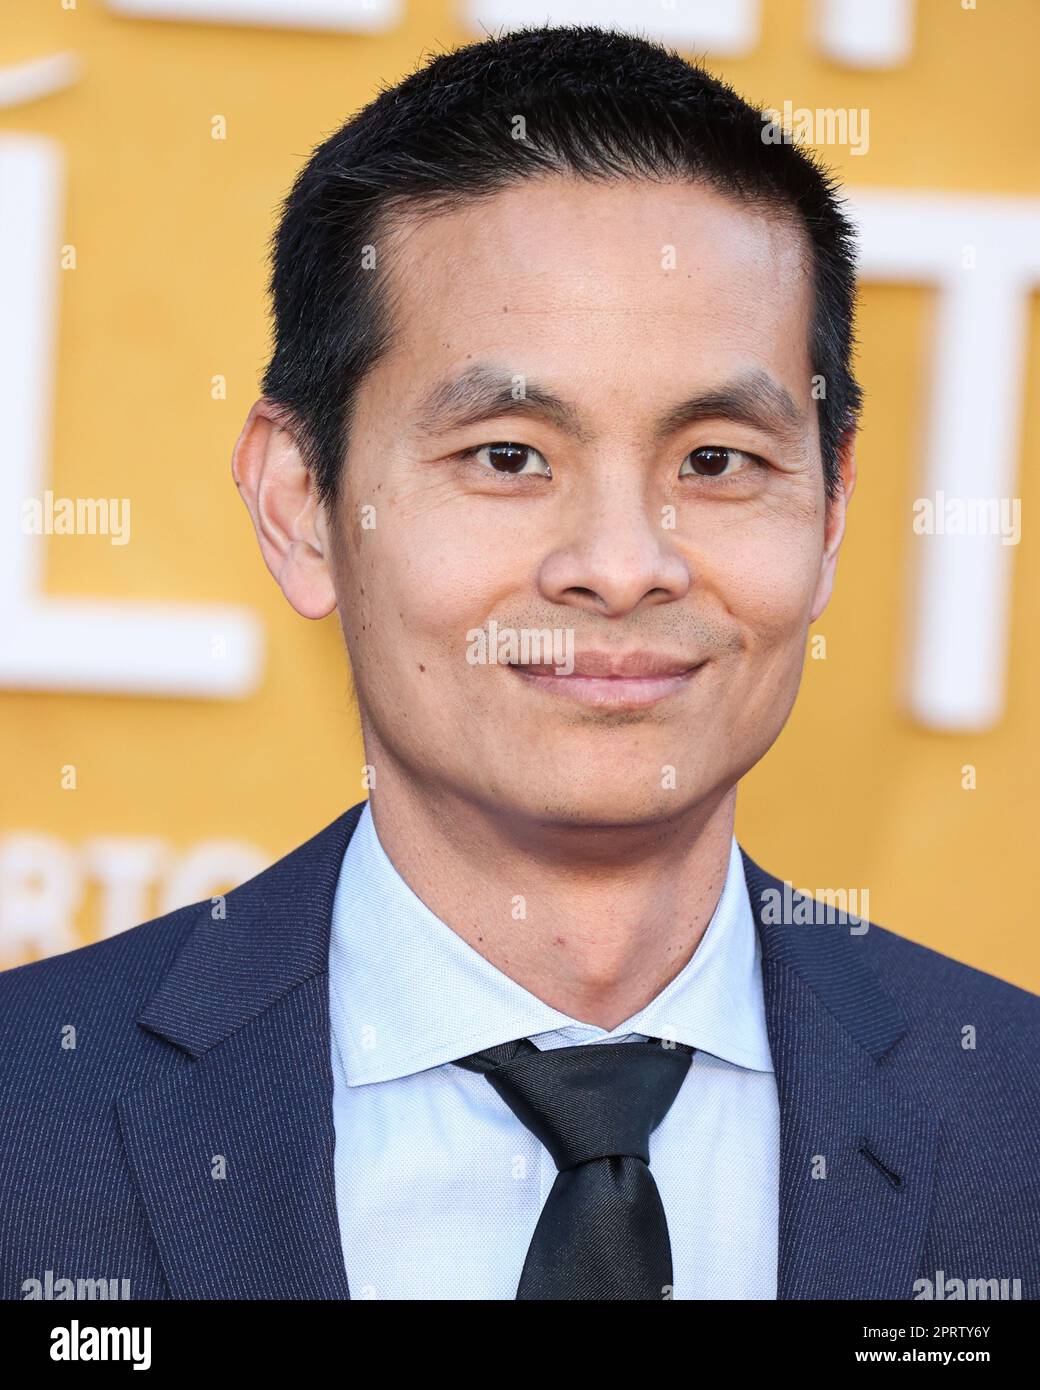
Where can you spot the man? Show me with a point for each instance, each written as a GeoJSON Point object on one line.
{"type": "Point", "coordinates": [560, 421]}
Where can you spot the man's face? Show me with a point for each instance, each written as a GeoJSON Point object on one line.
{"type": "Point", "coordinates": [680, 548]}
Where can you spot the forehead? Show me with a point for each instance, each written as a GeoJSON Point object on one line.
{"type": "Point", "coordinates": [612, 282]}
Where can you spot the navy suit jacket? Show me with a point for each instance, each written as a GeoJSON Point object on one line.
{"type": "Point", "coordinates": [200, 1040]}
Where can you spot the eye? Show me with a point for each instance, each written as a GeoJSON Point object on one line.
{"type": "Point", "coordinates": [715, 461]}
{"type": "Point", "coordinates": [515, 459]}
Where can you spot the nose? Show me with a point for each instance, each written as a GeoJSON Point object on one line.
{"type": "Point", "coordinates": [618, 555]}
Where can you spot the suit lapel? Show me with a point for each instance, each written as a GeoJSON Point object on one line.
{"type": "Point", "coordinates": [233, 1150]}
{"type": "Point", "coordinates": [856, 1153]}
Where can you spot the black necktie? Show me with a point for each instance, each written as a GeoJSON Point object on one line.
{"type": "Point", "coordinates": [602, 1233]}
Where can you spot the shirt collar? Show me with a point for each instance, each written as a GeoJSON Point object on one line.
{"type": "Point", "coordinates": [408, 993]}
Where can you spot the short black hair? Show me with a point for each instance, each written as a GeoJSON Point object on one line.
{"type": "Point", "coordinates": [596, 104]}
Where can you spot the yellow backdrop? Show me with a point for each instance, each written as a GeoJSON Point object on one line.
{"type": "Point", "coordinates": [170, 228]}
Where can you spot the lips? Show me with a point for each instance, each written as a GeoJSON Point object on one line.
{"type": "Point", "coordinates": [618, 666]}
{"type": "Point", "coordinates": [614, 682]}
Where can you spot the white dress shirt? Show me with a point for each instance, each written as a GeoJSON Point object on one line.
{"type": "Point", "coordinates": [439, 1186]}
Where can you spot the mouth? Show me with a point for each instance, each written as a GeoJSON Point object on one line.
{"type": "Point", "coordinates": [612, 691]}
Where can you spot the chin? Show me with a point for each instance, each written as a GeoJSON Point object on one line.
{"type": "Point", "coordinates": [601, 806]}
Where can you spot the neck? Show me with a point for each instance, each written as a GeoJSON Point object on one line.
{"type": "Point", "coordinates": [594, 921]}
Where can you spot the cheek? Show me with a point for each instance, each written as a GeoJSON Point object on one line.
{"type": "Point", "coordinates": [767, 591]}
{"type": "Point", "coordinates": [434, 582]}
{"type": "Point", "coordinates": [766, 576]}
{"type": "Point", "coordinates": [778, 601]}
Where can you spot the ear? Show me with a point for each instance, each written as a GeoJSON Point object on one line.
{"type": "Point", "coordinates": [834, 527]}
{"type": "Point", "coordinates": [278, 490]}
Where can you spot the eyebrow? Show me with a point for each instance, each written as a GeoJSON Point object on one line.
{"type": "Point", "coordinates": [484, 391]}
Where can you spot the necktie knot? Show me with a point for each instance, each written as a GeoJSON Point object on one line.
{"type": "Point", "coordinates": [602, 1233]}
{"type": "Point", "coordinates": [600, 1100]}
